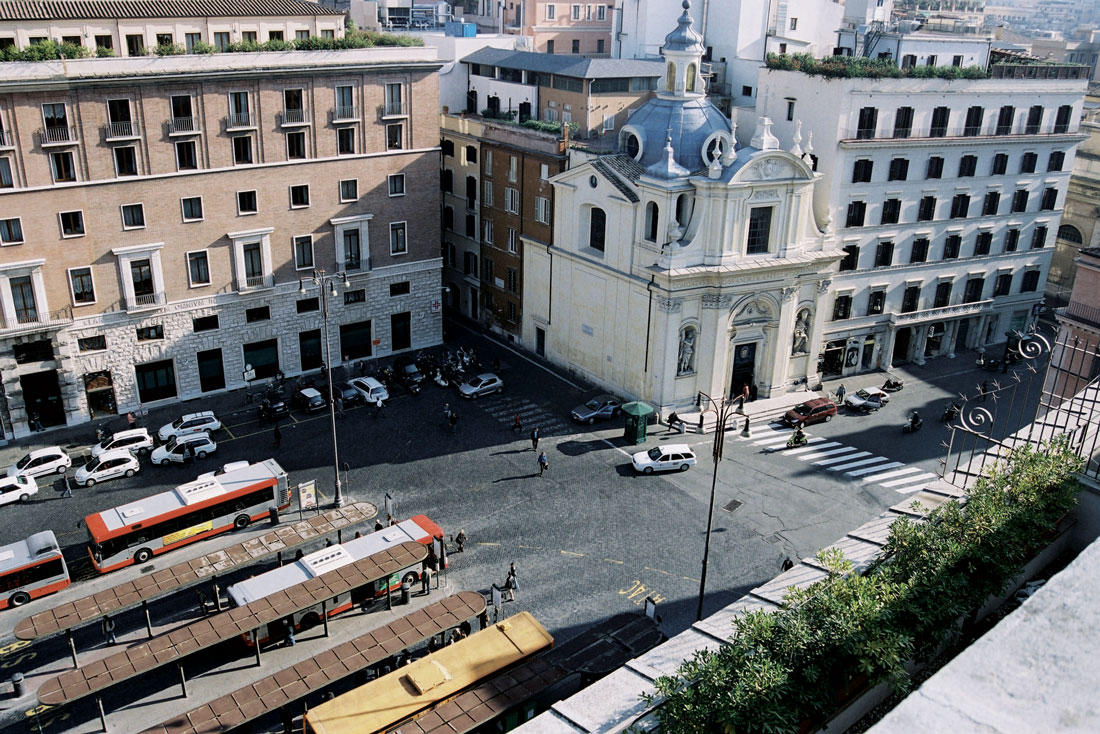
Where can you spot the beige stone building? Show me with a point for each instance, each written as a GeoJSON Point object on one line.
{"type": "Point", "coordinates": [157, 215]}
{"type": "Point", "coordinates": [132, 29]}
{"type": "Point", "coordinates": [582, 29]}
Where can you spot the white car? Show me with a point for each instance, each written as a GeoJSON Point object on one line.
{"type": "Point", "coordinates": [108, 465]}
{"type": "Point", "coordinates": [370, 388]}
{"type": "Point", "coordinates": [484, 384]}
{"type": "Point", "coordinates": [190, 423]}
{"type": "Point", "coordinates": [17, 489]}
{"type": "Point", "coordinates": [669, 457]}
{"type": "Point", "coordinates": [867, 399]}
{"type": "Point", "coordinates": [231, 466]}
{"type": "Point", "coordinates": [175, 450]}
{"type": "Point", "coordinates": [42, 461]}
{"type": "Point", "coordinates": [137, 440]}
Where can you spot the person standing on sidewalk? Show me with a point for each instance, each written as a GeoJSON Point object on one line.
{"type": "Point", "coordinates": [131, 419]}
{"type": "Point", "coordinates": [339, 407]}
{"type": "Point", "coordinates": [453, 420]}
{"type": "Point", "coordinates": [426, 580]}
{"type": "Point", "coordinates": [278, 436]}
{"type": "Point", "coordinates": [544, 463]}
{"type": "Point", "coordinates": [535, 438]}
{"type": "Point", "coordinates": [511, 583]}
{"type": "Point", "coordinates": [109, 630]}
{"type": "Point", "coordinates": [378, 408]}
{"type": "Point", "coordinates": [840, 393]}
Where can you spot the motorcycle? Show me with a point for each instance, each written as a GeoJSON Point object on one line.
{"type": "Point", "coordinates": [950, 412]}
{"type": "Point", "coordinates": [912, 426]}
{"type": "Point", "coordinates": [893, 385]}
{"type": "Point", "coordinates": [797, 440]}
{"type": "Point", "coordinates": [440, 379]}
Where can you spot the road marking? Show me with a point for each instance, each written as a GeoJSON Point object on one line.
{"type": "Point", "coordinates": [803, 449]}
{"type": "Point", "coordinates": [912, 489]}
{"type": "Point", "coordinates": [226, 429]}
{"type": "Point", "coordinates": [921, 478]}
{"type": "Point", "coordinates": [893, 475]}
{"type": "Point", "coordinates": [861, 472]}
{"type": "Point", "coordinates": [609, 560]}
{"type": "Point", "coordinates": [830, 452]}
{"type": "Point", "coordinates": [770, 440]}
{"type": "Point", "coordinates": [689, 578]}
{"type": "Point", "coordinates": [826, 462]}
{"type": "Point", "coordinates": [571, 553]}
{"type": "Point", "coordinates": [862, 462]}
{"type": "Point", "coordinates": [496, 544]}
{"type": "Point", "coordinates": [531, 547]}
{"type": "Point", "coordinates": [666, 573]}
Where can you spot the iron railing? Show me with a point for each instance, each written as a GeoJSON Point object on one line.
{"type": "Point", "coordinates": [258, 281]}
{"type": "Point", "coordinates": [345, 113]}
{"type": "Point", "coordinates": [34, 320]}
{"type": "Point", "coordinates": [58, 134]}
{"type": "Point", "coordinates": [238, 120]}
{"type": "Point", "coordinates": [295, 117]}
{"type": "Point", "coordinates": [121, 129]}
{"type": "Point", "coordinates": [6, 139]}
{"type": "Point", "coordinates": [145, 300]}
{"type": "Point", "coordinates": [183, 125]}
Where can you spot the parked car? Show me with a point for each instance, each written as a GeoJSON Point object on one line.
{"type": "Point", "coordinates": [17, 489]}
{"type": "Point", "coordinates": [599, 408]}
{"type": "Point", "coordinates": [344, 391]}
{"type": "Point", "coordinates": [484, 384]}
{"type": "Point", "coordinates": [405, 370]}
{"type": "Point", "coordinates": [42, 461]}
{"type": "Point", "coordinates": [176, 449]}
{"type": "Point", "coordinates": [276, 409]}
{"type": "Point", "coordinates": [136, 440]}
{"type": "Point", "coordinates": [190, 423]}
{"type": "Point", "coordinates": [108, 465]}
{"type": "Point", "coordinates": [309, 399]}
{"type": "Point", "coordinates": [669, 457]}
{"type": "Point", "coordinates": [867, 399]}
{"type": "Point", "coordinates": [231, 466]}
{"type": "Point", "coordinates": [370, 388]}
{"type": "Point", "coordinates": [809, 412]}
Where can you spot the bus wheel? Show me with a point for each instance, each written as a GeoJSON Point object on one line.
{"type": "Point", "coordinates": [309, 621]}
{"type": "Point", "coordinates": [242, 521]}
{"type": "Point", "coordinates": [410, 578]}
{"type": "Point", "coordinates": [144, 555]}
{"type": "Point", "coordinates": [18, 599]}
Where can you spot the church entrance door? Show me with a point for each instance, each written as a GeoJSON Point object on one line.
{"type": "Point", "coordinates": [744, 362]}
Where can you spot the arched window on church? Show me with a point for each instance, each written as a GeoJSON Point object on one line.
{"type": "Point", "coordinates": [670, 82]}
{"type": "Point", "coordinates": [597, 229]}
{"type": "Point", "coordinates": [652, 214]}
{"type": "Point", "coordinates": [1069, 233]}
{"type": "Point", "coordinates": [683, 209]}
{"type": "Point", "coordinates": [690, 82]}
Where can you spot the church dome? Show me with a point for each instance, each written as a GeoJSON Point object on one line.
{"type": "Point", "coordinates": [695, 127]}
{"type": "Point", "coordinates": [684, 38]}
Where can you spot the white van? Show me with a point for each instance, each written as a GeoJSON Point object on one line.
{"type": "Point", "coordinates": [136, 440]}
{"type": "Point", "coordinates": [176, 449]}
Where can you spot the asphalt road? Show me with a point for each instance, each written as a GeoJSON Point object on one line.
{"type": "Point", "coordinates": [590, 538]}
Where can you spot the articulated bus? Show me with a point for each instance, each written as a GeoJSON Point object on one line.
{"type": "Point", "coordinates": [137, 531]}
{"type": "Point", "coordinates": [417, 529]}
{"type": "Point", "coordinates": [396, 698]}
{"type": "Point", "coordinates": [31, 568]}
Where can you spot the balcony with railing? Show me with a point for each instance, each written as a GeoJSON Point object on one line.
{"type": "Point", "coordinates": [255, 282]}
{"type": "Point", "coordinates": [145, 301]}
{"type": "Point", "coordinates": [33, 320]}
{"type": "Point", "coordinates": [939, 313]}
{"type": "Point", "coordinates": [58, 135]}
{"type": "Point", "coordinates": [183, 126]}
{"type": "Point", "coordinates": [987, 130]}
{"type": "Point", "coordinates": [122, 130]}
{"type": "Point", "coordinates": [353, 263]}
{"type": "Point", "coordinates": [7, 140]}
{"type": "Point", "coordinates": [393, 109]}
{"type": "Point", "coordinates": [345, 113]}
{"type": "Point", "coordinates": [293, 117]}
{"type": "Point", "coordinates": [239, 121]}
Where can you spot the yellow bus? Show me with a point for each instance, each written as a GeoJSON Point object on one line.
{"type": "Point", "coordinates": [412, 690]}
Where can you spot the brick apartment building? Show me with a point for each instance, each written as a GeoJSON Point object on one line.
{"type": "Point", "coordinates": [157, 215]}
{"type": "Point", "coordinates": [497, 200]}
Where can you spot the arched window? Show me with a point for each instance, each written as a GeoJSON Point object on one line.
{"type": "Point", "coordinates": [631, 145]}
{"type": "Point", "coordinates": [683, 209]}
{"type": "Point", "coordinates": [652, 214]}
{"type": "Point", "coordinates": [1069, 233]}
{"type": "Point", "coordinates": [670, 82]}
{"type": "Point", "coordinates": [597, 227]}
{"type": "Point", "coordinates": [690, 82]}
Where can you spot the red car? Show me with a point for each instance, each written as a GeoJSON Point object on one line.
{"type": "Point", "coordinates": [818, 410]}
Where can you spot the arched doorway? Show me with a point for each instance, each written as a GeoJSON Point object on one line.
{"type": "Point", "coordinates": [902, 340]}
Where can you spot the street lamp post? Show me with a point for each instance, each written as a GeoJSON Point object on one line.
{"type": "Point", "coordinates": [322, 281]}
{"type": "Point", "coordinates": [722, 411]}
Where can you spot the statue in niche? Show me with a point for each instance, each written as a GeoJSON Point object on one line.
{"type": "Point", "coordinates": [801, 341]}
{"type": "Point", "coordinates": [686, 364]}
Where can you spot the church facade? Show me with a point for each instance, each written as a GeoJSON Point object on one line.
{"type": "Point", "coordinates": [684, 264]}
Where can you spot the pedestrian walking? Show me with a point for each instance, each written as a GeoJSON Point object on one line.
{"type": "Point", "coordinates": [278, 436]}
{"type": "Point", "coordinates": [288, 623]}
{"type": "Point", "coordinates": [378, 525]}
{"type": "Point", "coordinates": [339, 407]}
{"type": "Point", "coordinates": [517, 424]}
{"type": "Point", "coordinates": [453, 421]}
{"type": "Point", "coordinates": [840, 393]}
{"type": "Point", "coordinates": [131, 419]}
{"type": "Point", "coordinates": [460, 540]}
{"type": "Point", "coordinates": [68, 487]}
{"type": "Point", "coordinates": [535, 438]}
{"type": "Point", "coordinates": [446, 413]}
{"type": "Point", "coordinates": [189, 453]}
{"type": "Point", "coordinates": [426, 581]}
{"type": "Point", "coordinates": [263, 414]}
{"type": "Point", "coordinates": [985, 390]}
{"type": "Point", "coordinates": [108, 625]}
{"type": "Point", "coordinates": [544, 463]}
{"type": "Point", "coordinates": [378, 407]}
{"type": "Point", "coordinates": [788, 564]}
{"type": "Point", "coordinates": [510, 583]}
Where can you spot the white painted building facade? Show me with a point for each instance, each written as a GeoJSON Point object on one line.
{"type": "Point", "coordinates": [947, 196]}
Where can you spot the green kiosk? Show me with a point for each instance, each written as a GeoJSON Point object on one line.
{"type": "Point", "coordinates": [637, 419]}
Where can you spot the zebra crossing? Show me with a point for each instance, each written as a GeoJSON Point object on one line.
{"type": "Point", "coordinates": [505, 407]}
{"type": "Point", "coordinates": [848, 461]}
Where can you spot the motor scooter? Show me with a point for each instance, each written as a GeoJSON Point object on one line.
{"type": "Point", "coordinates": [950, 412]}
{"type": "Point", "coordinates": [912, 425]}
{"type": "Point", "coordinates": [892, 385]}
{"type": "Point", "coordinates": [797, 439]}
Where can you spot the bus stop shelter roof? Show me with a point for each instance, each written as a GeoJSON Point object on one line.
{"type": "Point", "coordinates": [638, 408]}
{"type": "Point", "coordinates": [146, 588]}
{"type": "Point", "coordinates": [286, 686]}
{"type": "Point", "coordinates": [179, 643]}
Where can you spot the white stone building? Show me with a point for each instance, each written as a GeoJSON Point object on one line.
{"type": "Point", "coordinates": [681, 265]}
{"type": "Point", "coordinates": [947, 196]}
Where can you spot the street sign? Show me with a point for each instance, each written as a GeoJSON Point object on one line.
{"type": "Point", "coordinates": [307, 494]}
{"type": "Point", "coordinates": [248, 375]}
{"type": "Point", "coordinates": [437, 305]}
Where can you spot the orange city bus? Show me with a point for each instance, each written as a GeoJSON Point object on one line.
{"type": "Point", "coordinates": [137, 531]}
{"type": "Point", "coordinates": [31, 568]}
{"type": "Point", "coordinates": [418, 529]}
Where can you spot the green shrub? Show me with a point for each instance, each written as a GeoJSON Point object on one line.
{"type": "Point", "coordinates": [202, 47]}
{"type": "Point", "coordinates": [852, 67]}
{"type": "Point", "coordinates": [103, 52]}
{"type": "Point", "coordinates": [169, 49]}
{"type": "Point", "coordinates": [278, 45]}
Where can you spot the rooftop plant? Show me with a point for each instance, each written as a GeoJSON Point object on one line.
{"type": "Point", "coordinates": [857, 67]}
{"type": "Point", "coordinates": [782, 669]}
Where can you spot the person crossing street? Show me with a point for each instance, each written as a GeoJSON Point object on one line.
{"type": "Point", "coordinates": [544, 463]}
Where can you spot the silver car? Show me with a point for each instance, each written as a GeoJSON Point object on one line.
{"type": "Point", "coordinates": [484, 384]}
{"type": "Point", "coordinates": [599, 408]}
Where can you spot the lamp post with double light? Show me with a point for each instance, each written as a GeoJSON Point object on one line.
{"type": "Point", "coordinates": [327, 284]}
{"type": "Point", "coordinates": [723, 409]}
